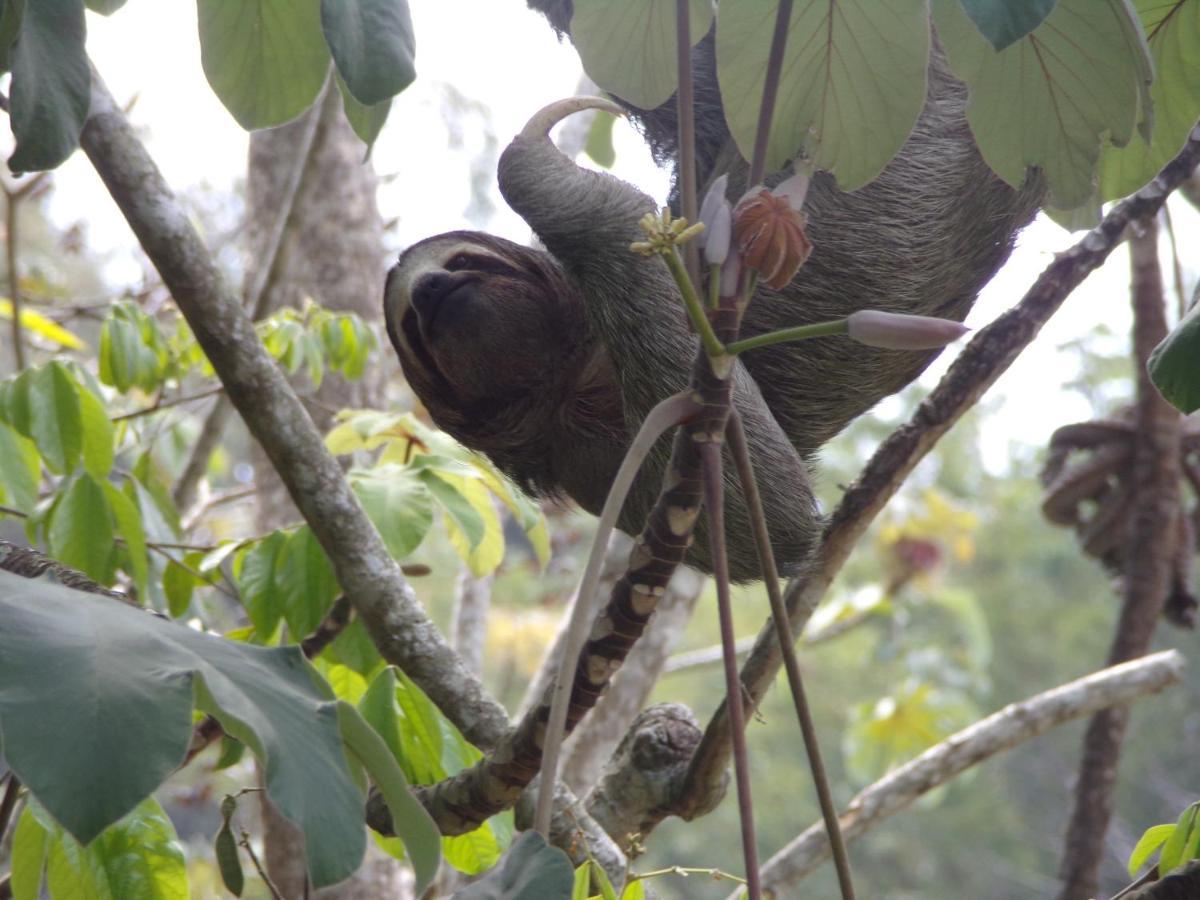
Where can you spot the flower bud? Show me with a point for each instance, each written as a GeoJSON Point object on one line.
{"type": "Point", "coordinates": [770, 237]}
{"type": "Point", "coordinates": [897, 331]}
{"type": "Point", "coordinates": [710, 211]}
{"type": "Point", "coordinates": [720, 235]}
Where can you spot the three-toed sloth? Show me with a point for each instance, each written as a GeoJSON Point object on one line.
{"type": "Point", "coordinates": [547, 360]}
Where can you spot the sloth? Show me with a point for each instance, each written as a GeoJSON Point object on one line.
{"type": "Point", "coordinates": [547, 359]}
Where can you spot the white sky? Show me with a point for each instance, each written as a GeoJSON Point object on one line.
{"type": "Point", "coordinates": [503, 59]}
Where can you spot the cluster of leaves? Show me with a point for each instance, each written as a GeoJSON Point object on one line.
{"type": "Point", "coordinates": [267, 60]}
{"type": "Point", "coordinates": [90, 488]}
{"type": "Point", "coordinates": [1177, 842]}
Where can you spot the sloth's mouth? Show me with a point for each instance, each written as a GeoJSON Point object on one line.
{"type": "Point", "coordinates": [416, 341]}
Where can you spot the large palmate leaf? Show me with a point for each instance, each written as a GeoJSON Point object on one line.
{"type": "Point", "coordinates": [1051, 98]}
{"type": "Point", "coordinates": [96, 702]}
{"type": "Point", "coordinates": [372, 45]}
{"type": "Point", "coordinates": [265, 59]}
{"type": "Point", "coordinates": [851, 87]}
{"type": "Point", "coordinates": [630, 48]}
{"type": "Point", "coordinates": [1173, 32]}
{"type": "Point", "coordinates": [51, 84]}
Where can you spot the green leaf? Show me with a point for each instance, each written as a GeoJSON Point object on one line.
{"type": "Point", "coordinates": [1172, 30]}
{"type": "Point", "coordinates": [51, 84]}
{"type": "Point", "coordinates": [530, 870]}
{"type": "Point", "coordinates": [254, 572]}
{"type": "Point", "coordinates": [178, 585]}
{"type": "Point", "coordinates": [372, 45]}
{"type": "Point", "coordinates": [30, 845]}
{"type": "Point", "coordinates": [96, 432]}
{"type": "Point", "coordinates": [128, 520]}
{"type": "Point", "coordinates": [138, 858]}
{"type": "Point", "coordinates": [1151, 840]}
{"type": "Point", "coordinates": [105, 7]}
{"type": "Point", "coordinates": [635, 889]}
{"type": "Point", "coordinates": [20, 471]}
{"type": "Point", "coordinates": [367, 121]}
{"type": "Point", "coordinates": [629, 48]}
{"type": "Point", "coordinates": [583, 882]}
{"type": "Point", "coordinates": [378, 707]}
{"type": "Point", "coordinates": [607, 891]}
{"type": "Point", "coordinates": [10, 26]}
{"type": "Point", "coordinates": [121, 683]}
{"type": "Point", "coordinates": [1184, 836]}
{"type": "Point", "coordinates": [229, 863]}
{"type": "Point", "coordinates": [398, 502]}
{"type": "Point", "coordinates": [1004, 22]}
{"type": "Point", "coordinates": [599, 145]}
{"type": "Point", "coordinates": [44, 406]}
{"type": "Point", "coordinates": [1051, 98]}
{"type": "Point", "coordinates": [265, 59]}
{"type": "Point", "coordinates": [133, 350]}
{"type": "Point", "coordinates": [80, 533]}
{"type": "Point", "coordinates": [1172, 364]}
{"type": "Point", "coordinates": [853, 88]}
{"type": "Point", "coordinates": [306, 582]}
{"type": "Point", "coordinates": [410, 821]}
{"type": "Point", "coordinates": [472, 853]}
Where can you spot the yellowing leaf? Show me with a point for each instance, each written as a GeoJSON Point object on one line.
{"type": "Point", "coordinates": [482, 550]}
{"type": "Point", "coordinates": [34, 321]}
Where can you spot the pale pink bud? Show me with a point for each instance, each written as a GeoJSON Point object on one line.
{"type": "Point", "coordinates": [710, 212]}
{"type": "Point", "coordinates": [720, 235]}
{"type": "Point", "coordinates": [897, 331]}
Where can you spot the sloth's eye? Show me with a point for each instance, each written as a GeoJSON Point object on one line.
{"type": "Point", "coordinates": [458, 261]}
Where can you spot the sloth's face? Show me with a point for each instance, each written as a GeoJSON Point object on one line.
{"type": "Point", "coordinates": [482, 325]}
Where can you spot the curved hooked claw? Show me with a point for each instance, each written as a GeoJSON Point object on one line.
{"type": "Point", "coordinates": [548, 116]}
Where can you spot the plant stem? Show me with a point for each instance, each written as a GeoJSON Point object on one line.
{"type": "Point", "coordinates": [798, 333]}
{"type": "Point", "coordinates": [686, 118]}
{"type": "Point", "coordinates": [712, 345]}
{"type": "Point", "coordinates": [714, 501]}
{"type": "Point", "coordinates": [167, 404]}
{"type": "Point", "coordinates": [745, 468]}
{"type": "Point", "coordinates": [14, 281]}
{"type": "Point", "coordinates": [758, 163]}
{"type": "Point", "coordinates": [665, 415]}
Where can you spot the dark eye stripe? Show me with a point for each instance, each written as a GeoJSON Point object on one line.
{"type": "Point", "coordinates": [479, 263]}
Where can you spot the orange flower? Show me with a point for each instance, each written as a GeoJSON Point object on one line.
{"type": "Point", "coordinates": [770, 237]}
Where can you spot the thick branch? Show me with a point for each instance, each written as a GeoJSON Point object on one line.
{"type": "Point", "coordinates": [260, 392]}
{"type": "Point", "coordinates": [1003, 730]}
{"type": "Point", "coordinates": [1148, 569]}
{"type": "Point", "coordinates": [978, 366]}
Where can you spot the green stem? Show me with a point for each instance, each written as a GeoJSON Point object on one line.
{"type": "Point", "coordinates": [798, 333]}
{"type": "Point", "coordinates": [712, 345]}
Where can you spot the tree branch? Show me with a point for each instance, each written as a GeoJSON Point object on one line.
{"type": "Point", "coordinates": [1003, 730]}
{"type": "Point", "coordinates": [981, 362]}
{"type": "Point", "coordinates": [260, 392]}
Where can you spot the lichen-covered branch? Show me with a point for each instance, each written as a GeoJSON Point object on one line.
{"type": "Point", "coordinates": [1003, 730]}
{"type": "Point", "coordinates": [260, 392]}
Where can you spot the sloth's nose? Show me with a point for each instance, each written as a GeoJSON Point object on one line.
{"type": "Point", "coordinates": [429, 292]}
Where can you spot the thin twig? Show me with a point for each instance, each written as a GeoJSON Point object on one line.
{"type": "Point", "coordinates": [779, 617]}
{"type": "Point", "coordinates": [685, 115]}
{"type": "Point", "coordinates": [714, 503]}
{"type": "Point", "coordinates": [167, 404]}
